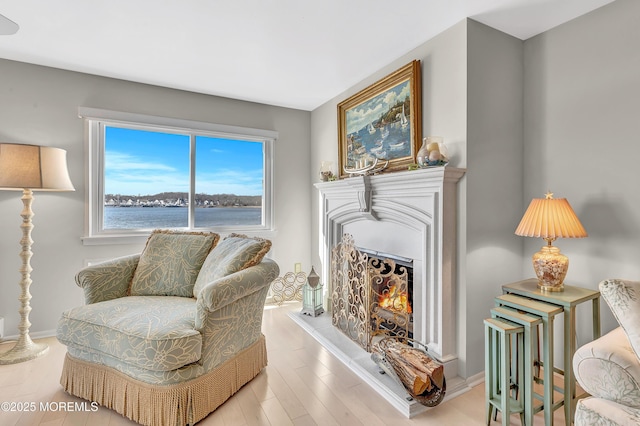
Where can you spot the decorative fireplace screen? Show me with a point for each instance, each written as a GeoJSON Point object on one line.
{"type": "Point", "coordinates": [370, 296]}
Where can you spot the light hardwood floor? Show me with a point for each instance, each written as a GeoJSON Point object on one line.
{"type": "Point", "coordinates": [302, 385]}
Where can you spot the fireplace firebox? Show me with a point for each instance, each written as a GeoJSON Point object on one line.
{"type": "Point", "coordinates": [372, 293]}
{"type": "Point", "coordinates": [391, 287]}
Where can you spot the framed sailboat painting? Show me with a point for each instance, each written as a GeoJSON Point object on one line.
{"type": "Point", "coordinates": [382, 122]}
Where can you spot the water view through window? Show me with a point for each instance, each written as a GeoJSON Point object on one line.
{"type": "Point", "coordinates": [147, 178]}
{"type": "Point", "coordinates": [142, 218]}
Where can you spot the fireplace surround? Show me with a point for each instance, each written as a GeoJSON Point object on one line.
{"type": "Point", "coordinates": [412, 214]}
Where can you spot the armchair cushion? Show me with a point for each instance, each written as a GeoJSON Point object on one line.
{"type": "Point", "coordinates": [602, 412]}
{"type": "Point", "coordinates": [150, 332]}
{"type": "Point", "coordinates": [607, 368]}
{"type": "Point", "coordinates": [170, 263]}
{"type": "Point", "coordinates": [235, 253]}
{"type": "Point", "coordinates": [623, 297]}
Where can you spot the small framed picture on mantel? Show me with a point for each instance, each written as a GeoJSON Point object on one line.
{"type": "Point", "coordinates": [382, 122]}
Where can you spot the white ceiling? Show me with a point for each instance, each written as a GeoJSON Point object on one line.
{"type": "Point", "coordinates": [291, 53]}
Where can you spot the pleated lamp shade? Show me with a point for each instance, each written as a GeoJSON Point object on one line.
{"type": "Point", "coordinates": [550, 218]}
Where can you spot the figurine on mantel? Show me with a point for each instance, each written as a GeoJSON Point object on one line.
{"type": "Point", "coordinates": [432, 152]}
{"type": "Point", "coordinates": [366, 168]}
{"type": "Point", "coordinates": [327, 176]}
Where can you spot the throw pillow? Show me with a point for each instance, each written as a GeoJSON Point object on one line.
{"type": "Point", "coordinates": [170, 263]}
{"type": "Point", "coordinates": [623, 297]}
{"type": "Point", "coordinates": [235, 253]}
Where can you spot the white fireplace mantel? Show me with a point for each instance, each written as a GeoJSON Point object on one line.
{"type": "Point", "coordinates": [411, 214]}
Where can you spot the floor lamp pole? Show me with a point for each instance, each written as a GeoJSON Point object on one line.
{"type": "Point", "coordinates": [25, 349]}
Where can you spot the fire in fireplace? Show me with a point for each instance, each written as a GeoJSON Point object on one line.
{"type": "Point", "coordinates": [395, 300]}
{"type": "Point", "coordinates": [391, 285]}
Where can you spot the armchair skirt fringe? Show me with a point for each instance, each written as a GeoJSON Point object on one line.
{"type": "Point", "coordinates": [180, 404]}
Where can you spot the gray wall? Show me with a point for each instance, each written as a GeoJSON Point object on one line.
{"type": "Point", "coordinates": [39, 105]}
{"type": "Point", "coordinates": [582, 109]}
{"type": "Point", "coordinates": [494, 178]}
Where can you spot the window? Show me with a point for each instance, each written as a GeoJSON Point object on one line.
{"type": "Point", "coordinates": [149, 172]}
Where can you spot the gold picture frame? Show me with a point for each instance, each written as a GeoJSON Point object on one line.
{"type": "Point", "coordinates": [382, 121]}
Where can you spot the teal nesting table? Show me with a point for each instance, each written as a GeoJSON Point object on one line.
{"type": "Point", "coordinates": [547, 313]}
{"type": "Point", "coordinates": [568, 300]}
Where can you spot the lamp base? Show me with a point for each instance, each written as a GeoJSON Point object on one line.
{"type": "Point", "coordinates": [544, 287]}
{"type": "Point", "coordinates": [551, 267]}
{"type": "Point", "coordinates": [24, 350]}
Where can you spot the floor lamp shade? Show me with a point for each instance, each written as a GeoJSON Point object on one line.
{"type": "Point", "coordinates": [30, 168]}
{"type": "Point", "coordinates": [550, 218]}
{"type": "Point", "coordinates": [39, 168]}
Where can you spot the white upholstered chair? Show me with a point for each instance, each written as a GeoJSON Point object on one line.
{"type": "Point", "coordinates": [608, 368]}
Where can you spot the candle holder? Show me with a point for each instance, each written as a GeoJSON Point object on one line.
{"type": "Point", "coordinates": [312, 295]}
{"type": "Point", "coordinates": [326, 171]}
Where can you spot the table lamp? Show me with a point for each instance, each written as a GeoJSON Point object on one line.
{"type": "Point", "coordinates": [550, 218]}
{"type": "Point", "coordinates": [30, 168]}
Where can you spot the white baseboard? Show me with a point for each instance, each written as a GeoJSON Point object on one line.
{"type": "Point", "coordinates": [34, 336]}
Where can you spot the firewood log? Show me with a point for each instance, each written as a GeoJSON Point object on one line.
{"type": "Point", "coordinates": [420, 361]}
{"type": "Point", "coordinates": [415, 381]}
{"type": "Point", "coordinates": [416, 370]}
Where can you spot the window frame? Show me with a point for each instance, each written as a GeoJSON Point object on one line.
{"type": "Point", "coordinates": [95, 121]}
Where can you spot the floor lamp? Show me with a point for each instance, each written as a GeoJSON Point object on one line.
{"type": "Point", "coordinates": [28, 168]}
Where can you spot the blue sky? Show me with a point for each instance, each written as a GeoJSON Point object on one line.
{"type": "Point", "coordinates": [141, 163]}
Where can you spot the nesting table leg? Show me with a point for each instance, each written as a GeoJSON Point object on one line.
{"type": "Point", "coordinates": [547, 363]}
{"type": "Point", "coordinates": [499, 336]}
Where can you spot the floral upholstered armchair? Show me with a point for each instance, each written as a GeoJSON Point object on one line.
{"type": "Point", "coordinates": [166, 336]}
{"type": "Point", "coordinates": [609, 367]}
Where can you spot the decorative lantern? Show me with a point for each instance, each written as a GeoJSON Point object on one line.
{"type": "Point", "coordinates": [312, 295]}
